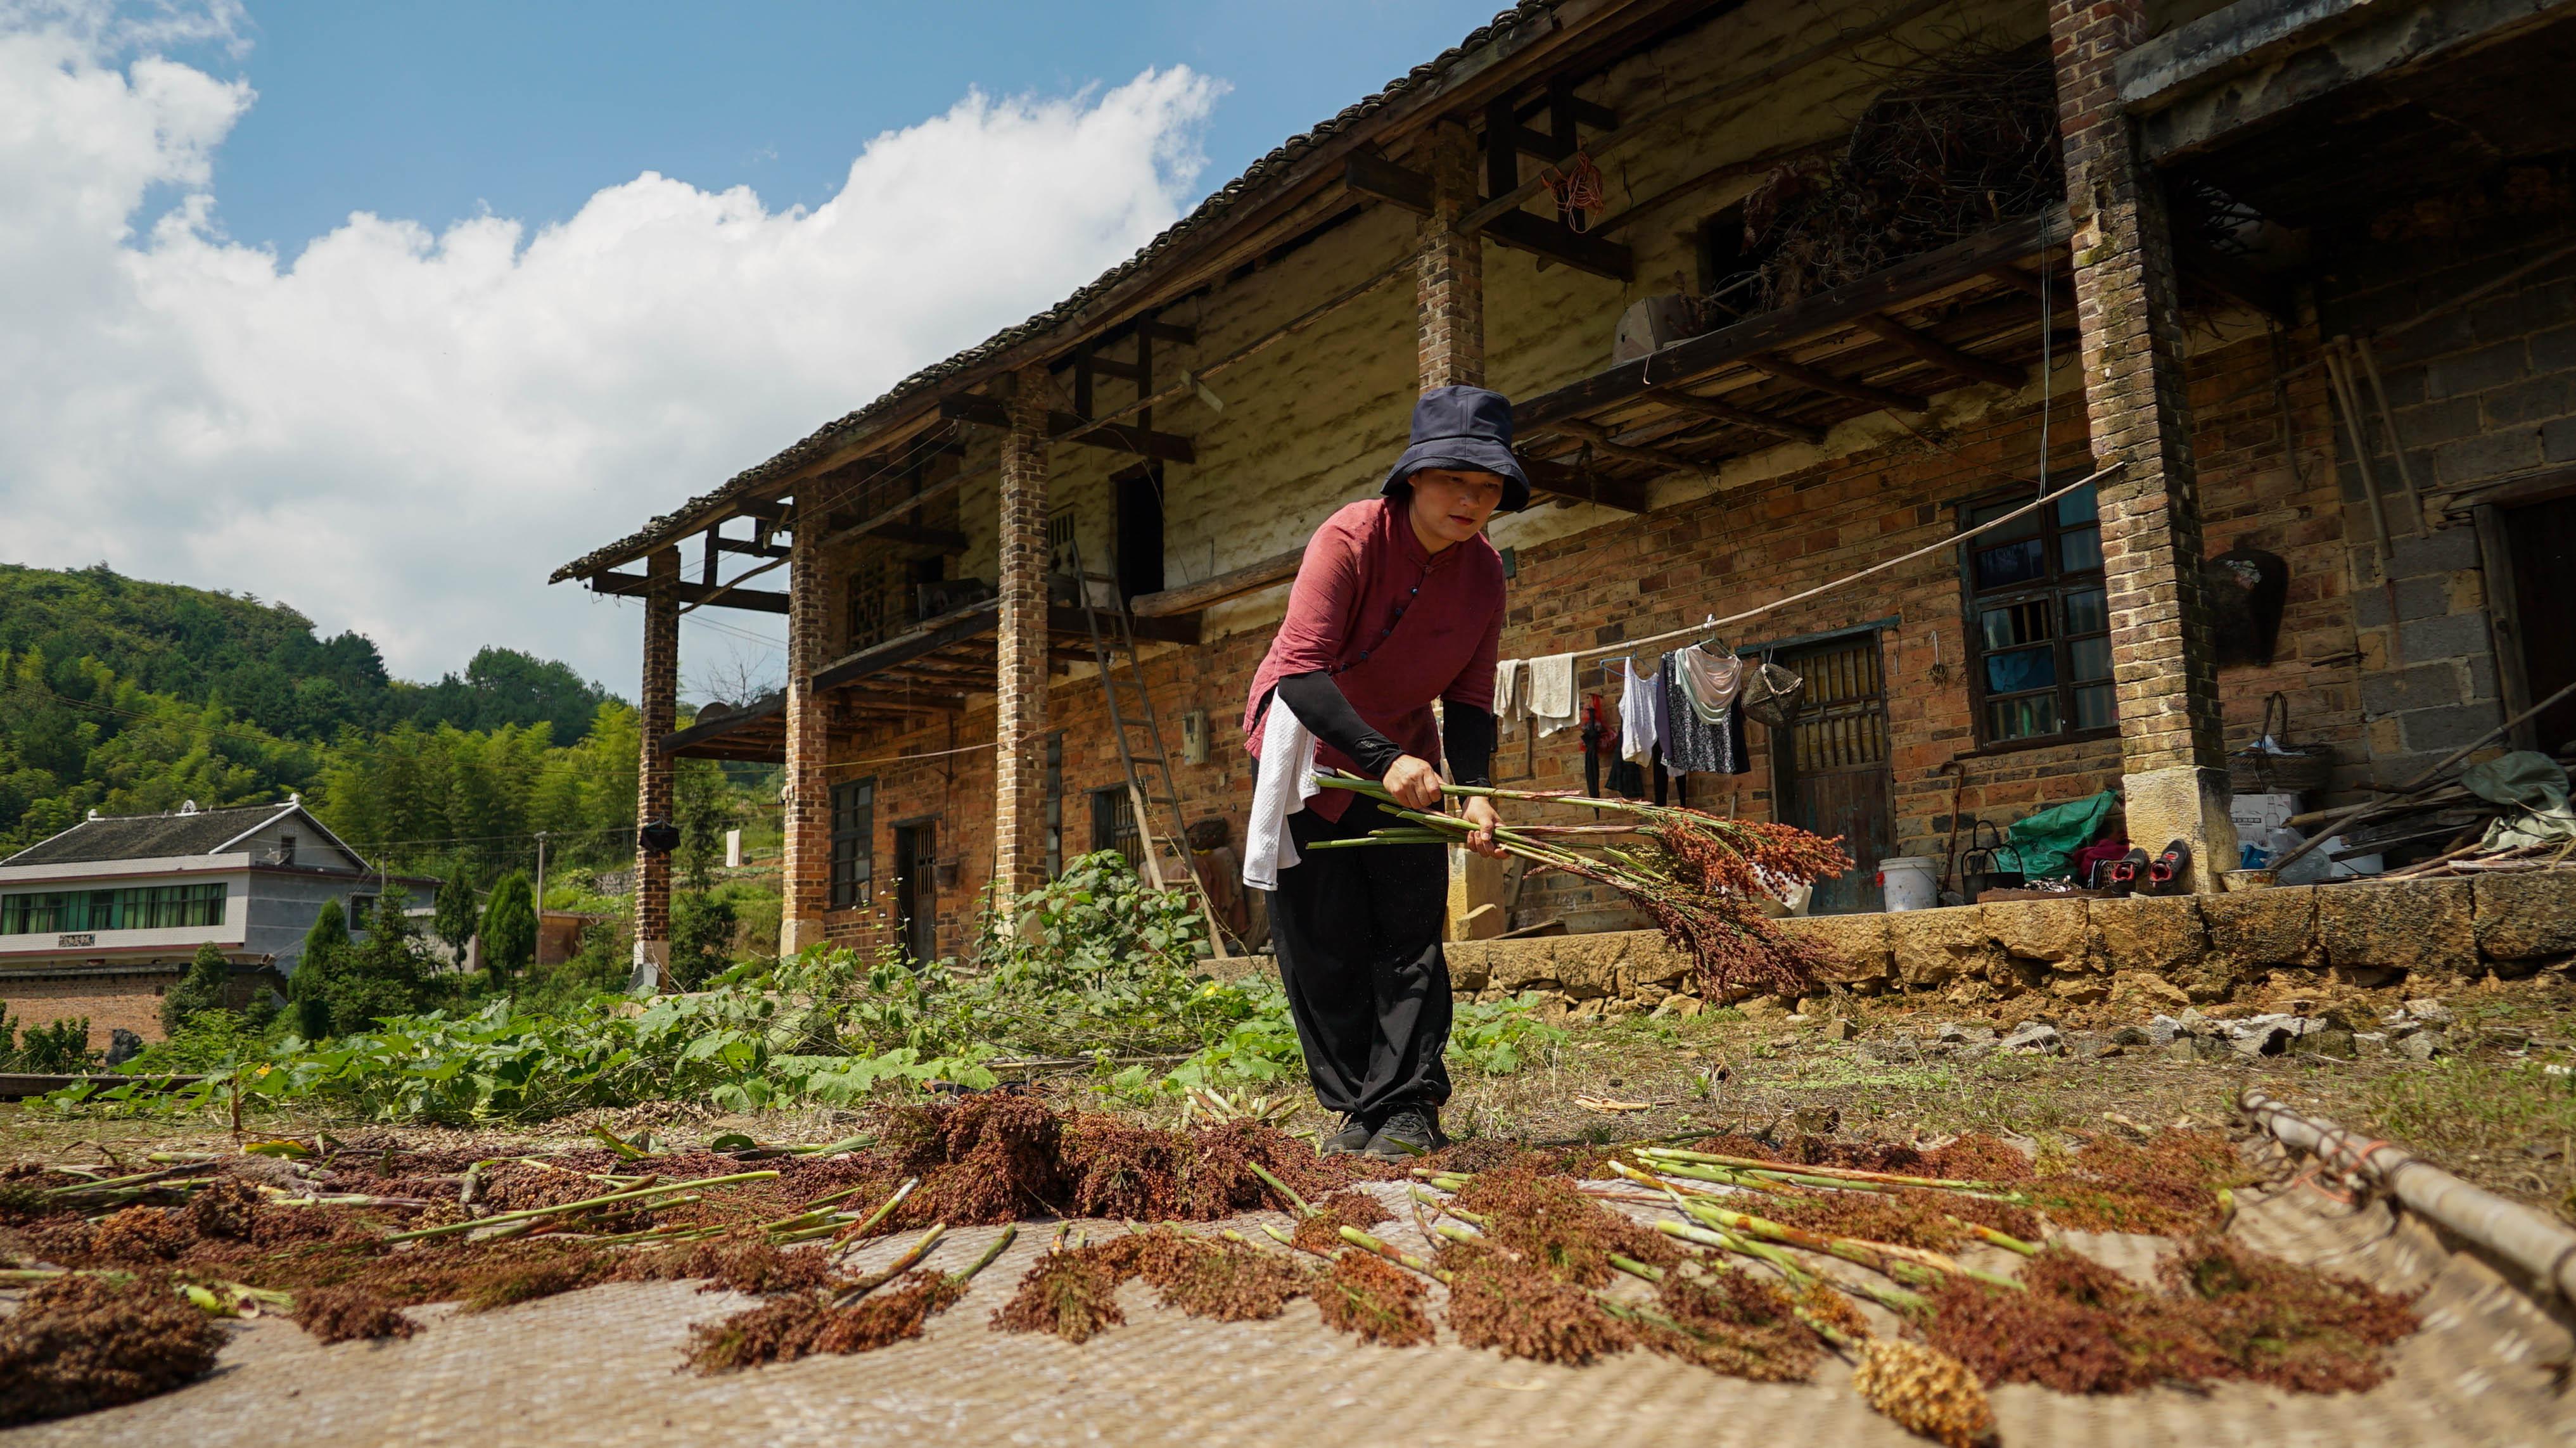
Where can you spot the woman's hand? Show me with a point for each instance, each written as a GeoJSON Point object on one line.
{"type": "Point", "coordinates": [1414, 783]}
{"type": "Point", "coordinates": [1480, 813]}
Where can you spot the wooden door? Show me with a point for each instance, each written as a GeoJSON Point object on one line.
{"type": "Point", "coordinates": [1831, 771]}
{"type": "Point", "coordinates": [916, 888]}
{"type": "Point", "coordinates": [2542, 537]}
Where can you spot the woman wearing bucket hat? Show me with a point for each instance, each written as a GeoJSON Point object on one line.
{"type": "Point", "coordinates": [1398, 602]}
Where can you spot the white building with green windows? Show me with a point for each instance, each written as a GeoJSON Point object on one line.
{"type": "Point", "coordinates": [100, 919]}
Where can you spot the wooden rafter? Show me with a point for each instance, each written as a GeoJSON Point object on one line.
{"type": "Point", "coordinates": [1941, 354]}
{"type": "Point", "coordinates": [1383, 180]}
{"type": "Point", "coordinates": [1610, 447]}
{"type": "Point", "coordinates": [1822, 381]}
{"type": "Point", "coordinates": [1072, 427]}
{"type": "Point", "coordinates": [636, 585]}
{"type": "Point", "coordinates": [1828, 312]}
{"type": "Point", "coordinates": [1681, 401]}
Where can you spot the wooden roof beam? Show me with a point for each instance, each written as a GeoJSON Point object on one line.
{"type": "Point", "coordinates": [1583, 485]}
{"type": "Point", "coordinates": [1914, 278]}
{"type": "Point", "coordinates": [1610, 447]}
{"type": "Point", "coordinates": [1382, 180]}
{"type": "Point", "coordinates": [636, 585]}
{"type": "Point", "coordinates": [1681, 401]}
{"type": "Point", "coordinates": [1072, 427]}
{"type": "Point", "coordinates": [1942, 355]}
{"type": "Point", "coordinates": [1805, 376]}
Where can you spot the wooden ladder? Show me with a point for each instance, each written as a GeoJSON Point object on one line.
{"type": "Point", "coordinates": [1138, 732]}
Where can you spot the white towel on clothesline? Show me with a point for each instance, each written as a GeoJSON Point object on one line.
{"type": "Point", "coordinates": [1511, 690]}
{"type": "Point", "coordinates": [1637, 738]}
{"type": "Point", "coordinates": [1285, 781]}
{"type": "Point", "coordinates": [1551, 692]}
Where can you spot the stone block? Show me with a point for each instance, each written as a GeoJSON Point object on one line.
{"type": "Point", "coordinates": [2155, 934]}
{"type": "Point", "coordinates": [2526, 916]}
{"type": "Point", "coordinates": [1935, 947]}
{"type": "Point", "coordinates": [2049, 931]}
{"type": "Point", "coordinates": [2420, 926]}
{"type": "Point", "coordinates": [1855, 946]}
{"type": "Point", "coordinates": [2429, 730]}
{"type": "Point", "coordinates": [2262, 930]}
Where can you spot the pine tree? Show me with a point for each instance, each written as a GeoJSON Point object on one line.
{"type": "Point", "coordinates": [510, 926]}
{"type": "Point", "coordinates": [326, 952]}
{"type": "Point", "coordinates": [201, 989]}
{"type": "Point", "coordinates": [387, 972]}
{"type": "Point", "coordinates": [453, 921]}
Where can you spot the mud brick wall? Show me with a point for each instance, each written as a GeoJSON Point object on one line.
{"type": "Point", "coordinates": [2148, 953]}
{"type": "Point", "coordinates": [2482, 394]}
{"type": "Point", "coordinates": [109, 1001]}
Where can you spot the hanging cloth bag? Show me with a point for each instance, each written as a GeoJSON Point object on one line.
{"type": "Point", "coordinates": [1771, 694]}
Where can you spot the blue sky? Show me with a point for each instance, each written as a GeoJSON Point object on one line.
{"type": "Point", "coordinates": [521, 348]}
{"type": "Point", "coordinates": [435, 112]}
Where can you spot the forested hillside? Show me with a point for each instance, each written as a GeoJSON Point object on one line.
{"type": "Point", "coordinates": [131, 697]}
{"type": "Point", "coordinates": [263, 662]}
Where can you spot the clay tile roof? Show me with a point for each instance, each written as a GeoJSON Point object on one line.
{"type": "Point", "coordinates": [1256, 179]}
{"type": "Point", "coordinates": [147, 837]}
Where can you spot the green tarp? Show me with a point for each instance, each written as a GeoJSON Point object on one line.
{"type": "Point", "coordinates": [2042, 845]}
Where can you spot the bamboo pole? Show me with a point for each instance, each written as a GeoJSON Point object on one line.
{"type": "Point", "coordinates": [2543, 1249]}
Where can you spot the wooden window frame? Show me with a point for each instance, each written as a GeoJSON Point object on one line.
{"type": "Point", "coordinates": [852, 871]}
{"type": "Point", "coordinates": [2055, 587]}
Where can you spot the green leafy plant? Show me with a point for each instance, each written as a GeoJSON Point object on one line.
{"type": "Point", "coordinates": [200, 990]}
{"type": "Point", "coordinates": [1096, 964]}
{"type": "Point", "coordinates": [57, 1047]}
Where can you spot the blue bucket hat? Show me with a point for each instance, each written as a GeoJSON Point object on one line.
{"type": "Point", "coordinates": [1463, 427]}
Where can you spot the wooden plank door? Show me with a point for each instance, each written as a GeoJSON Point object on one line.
{"type": "Point", "coordinates": [2542, 537]}
{"type": "Point", "coordinates": [916, 888]}
{"type": "Point", "coordinates": [1831, 772]}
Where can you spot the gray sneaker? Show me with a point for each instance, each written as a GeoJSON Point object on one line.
{"type": "Point", "coordinates": [1407, 1132]}
{"type": "Point", "coordinates": [1354, 1136]}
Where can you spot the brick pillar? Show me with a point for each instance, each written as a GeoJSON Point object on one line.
{"type": "Point", "coordinates": [1020, 650]}
{"type": "Point", "coordinates": [806, 795]}
{"type": "Point", "coordinates": [2172, 761]}
{"type": "Point", "coordinates": [658, 700]}
{"type": "Point", "coordinates": [1449, 279]}
{"type": "Point", "coordinates": [1449, 350]}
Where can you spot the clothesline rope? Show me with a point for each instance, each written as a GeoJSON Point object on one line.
{"type": "Point", "coordinates": [1954, 540]}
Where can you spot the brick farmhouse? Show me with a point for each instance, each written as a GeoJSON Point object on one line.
{"type": "Point", "coordinates": [2298, 275]}
{"type": "Point", "coordinates": [99, 921]}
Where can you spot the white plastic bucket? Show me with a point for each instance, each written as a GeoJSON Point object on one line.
{"type": "Point", "coordinates": [1909, 882]}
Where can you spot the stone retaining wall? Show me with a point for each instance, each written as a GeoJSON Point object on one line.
{"type": "Point", "coordinates": [2183, 949]}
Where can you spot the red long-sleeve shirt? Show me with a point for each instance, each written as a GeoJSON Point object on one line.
{"type": "Point", "coordinates": [1395, 625]}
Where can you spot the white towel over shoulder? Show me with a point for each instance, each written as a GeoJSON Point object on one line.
{"type": "Point", "coordinates": [1285, 782]}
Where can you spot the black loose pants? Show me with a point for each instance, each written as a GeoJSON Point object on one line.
{"type": "Point", "coordinates": [1358, 936]}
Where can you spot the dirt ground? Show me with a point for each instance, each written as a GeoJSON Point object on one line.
{"type": "Point", "coordinates": [2499, 1110]}
{"type": "Point", "coordinates": [603, 1365]}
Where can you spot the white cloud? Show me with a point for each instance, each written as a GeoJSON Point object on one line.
{"type": "Point", "coordinates": [402, 431]}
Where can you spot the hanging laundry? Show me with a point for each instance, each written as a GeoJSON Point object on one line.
{"type": "Point", "coordinates": [1703, 715]}
{"type": "Point", "coordinates": [1690, 744]}
{"type": "Point", "coordinates": [1598, 740]}
{"type": "Point", "coordinates": [1551, 693]}
{"type": "Point", "coordinates": [1637, 732]}
{"type": "Point", "coordinates": [1710, 681]}
{"type": "Point", "coordinates": [1627, 779]}
{"type": "Point", "coordinates": [1739, 759]}
{"type": "Point", "coordinates": [1511, 690]}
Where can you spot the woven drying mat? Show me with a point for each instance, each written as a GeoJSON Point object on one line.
{"type": "Point", "coordinates": [599, 1367]}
